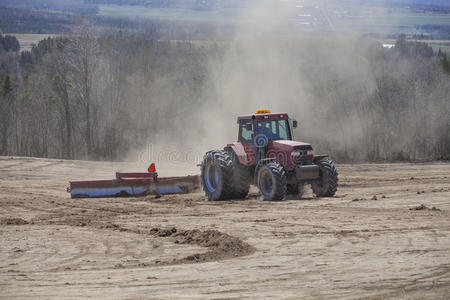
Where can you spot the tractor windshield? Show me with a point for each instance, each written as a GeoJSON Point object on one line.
{"type": "Point", "coordinates": [275, 130]}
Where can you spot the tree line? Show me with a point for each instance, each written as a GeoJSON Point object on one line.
{"type": "Point", "coordinates": [44, 22]}
{"type": "Point", "coordinates": [72, 6]}
{"type": "Point", "coordinates": [99, 96]}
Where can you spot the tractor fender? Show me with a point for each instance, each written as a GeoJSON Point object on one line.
{"type": "Point", "coordinates": [242, 152]}
{"type": "Point", "coordinates": [317, 158]}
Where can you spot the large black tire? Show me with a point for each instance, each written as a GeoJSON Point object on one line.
{"type": "Point", "coordinates": [241, 177]}
{"type": "Point", "coordinates": [272, 181]}
{"type": "Point", "coordinates": [217, 175]}
{"type": "Point", "coordinates": [327, 184]}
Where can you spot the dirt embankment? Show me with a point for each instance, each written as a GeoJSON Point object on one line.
{"type": "Point", "coordinates": [220, 245]}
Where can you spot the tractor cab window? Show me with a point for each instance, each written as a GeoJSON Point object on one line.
{"type": "Point", "coordinates": [245, 131]}
{"type": "Point", "coordinates": [275, 130]}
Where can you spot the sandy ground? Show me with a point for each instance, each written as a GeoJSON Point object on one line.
{"type": "Point", "coordinates": [364, 243]}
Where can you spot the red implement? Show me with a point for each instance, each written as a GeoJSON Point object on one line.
{"type": "Point", "coordinates": [133, 184]}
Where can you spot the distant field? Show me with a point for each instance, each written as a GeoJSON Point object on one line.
{"type": "Point", "coordinates": [170, 14]}
{"type": "Point", "coordinates": [444, 45]}
{"type": "Point", "coordinates": [313, 16]}
{"type": "Point", "coordinates": [27, 41]}
{"type": "Point", "coordinates": [444, 48]}
{"type": "Point", "coordinates": [395, 20]}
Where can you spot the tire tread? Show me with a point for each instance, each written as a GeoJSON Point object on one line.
{"type": "Point", "coordinates": [328, 166]}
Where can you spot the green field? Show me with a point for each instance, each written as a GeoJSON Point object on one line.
{"type": "Point", "coordinates": [394, 20]}
{"type": "Point", "coordinates": [372, 17]}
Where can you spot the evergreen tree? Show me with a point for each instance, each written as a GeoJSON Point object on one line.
{"type": "Point", "coordinates": [445, 63]}
{"type": "Point", "coordinates": [9, 43]}
{"type": "Point", "coordinates": [7, 86]}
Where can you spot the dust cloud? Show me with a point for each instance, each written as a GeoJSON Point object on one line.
{"type": "Point", "coordinates": [327, 81]}
{"type": "Point", "coordinates": [271, 63]}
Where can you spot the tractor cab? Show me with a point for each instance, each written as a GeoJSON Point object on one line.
{"type": "Point", "coordinates": [266, 136]}
{"type": "Point", "coordinates": [264, 126]}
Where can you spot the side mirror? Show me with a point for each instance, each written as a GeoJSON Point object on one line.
{"type": "Point", "coordinates": [249, 126]}
{"type": "Point", "coordinates": [294, 123]}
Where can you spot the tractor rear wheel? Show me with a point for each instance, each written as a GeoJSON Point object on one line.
{"type": "Point", "coordinates": [241, 177]}
{"type": "Point", "coordinates": [326, 185]}
{"type": "Point", "coordinates": [217, 175]}
{"type": "Point", "coordinates": [272, 181]}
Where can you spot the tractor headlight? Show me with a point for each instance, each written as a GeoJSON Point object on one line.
{"type": "Point", "coordinates": [300, 153]}
{"type": "Point", "coordinates": [296, 153]}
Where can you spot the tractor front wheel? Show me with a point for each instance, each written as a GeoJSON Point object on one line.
{"type": "Point", "coordinates": [326, 185]}
{"type": "Point", "coordinates": [272, 181]}
{"type": "Point", "coordinates": [217, 175]}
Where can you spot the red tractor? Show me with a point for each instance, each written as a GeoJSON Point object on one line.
{"type": "Point", "coordinates": [267, 156]}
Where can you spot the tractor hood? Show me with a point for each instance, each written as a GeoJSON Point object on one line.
{"type": "Point", "coordinates": [288, 146]}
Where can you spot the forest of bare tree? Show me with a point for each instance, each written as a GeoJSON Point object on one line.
{"type": "Point", "coordinates": [92, 95]}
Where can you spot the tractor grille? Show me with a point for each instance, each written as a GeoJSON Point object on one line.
{"type": "Point", "coordinates": [304, 160]}
{"type": "Point", "coordinates": [303, 147]}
